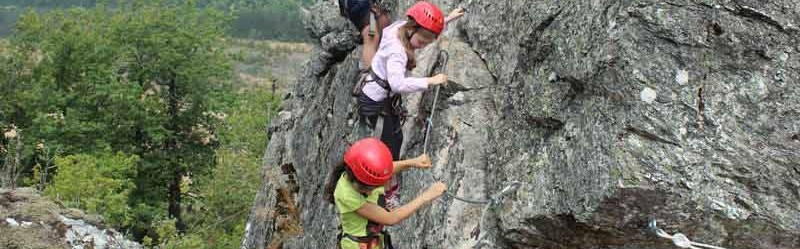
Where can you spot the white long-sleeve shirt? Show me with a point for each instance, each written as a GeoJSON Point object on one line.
{"type": "Point", "coordinates": [389, 63]}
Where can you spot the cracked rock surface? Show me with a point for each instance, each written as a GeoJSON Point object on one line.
{"type": "Point", "coordinates": [612, 114]}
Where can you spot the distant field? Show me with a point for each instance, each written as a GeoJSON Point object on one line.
{"type": "Point", "coordinates": [8, 16]}
{"type": "Point", "coordinates": [265, 20]}
{"type": "Point", "coordinates": [260, 63]}
{"type": "Point", "coordinates": [268, 63]}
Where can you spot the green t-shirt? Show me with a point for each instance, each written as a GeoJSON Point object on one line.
{"type": "Point", "coordinates": [348, 200]}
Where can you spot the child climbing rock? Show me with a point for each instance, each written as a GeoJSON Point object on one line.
{"type": "Point", "coordinates": [356, 188]}
{"type": "Point", "coordinates": [365, 16]}
{"type": "Point", "coordinates": [379, 101]}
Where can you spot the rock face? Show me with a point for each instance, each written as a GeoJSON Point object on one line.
{"type": "Point", "coordinates": [611, 113]}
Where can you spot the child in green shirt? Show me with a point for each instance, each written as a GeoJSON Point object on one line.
{"type": "Point", "coordinates": [357, 192]}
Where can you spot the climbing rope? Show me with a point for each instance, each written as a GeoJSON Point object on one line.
{"type": "Point", "coordinates": [445, 58]}
{"type": "Point", "coordinates": [493, 200]}
{"type": "Point", "coordinates": [679, 239]}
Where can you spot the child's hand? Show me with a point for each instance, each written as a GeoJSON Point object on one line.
{"type": "Point", "coordinates": [436, 190]}
{"type": "Point", "coordinates": [458, 12]}
{"type": "Point", "coordinates": [422, 162]}
{"type": "Point", "coordinates": [438, 79]}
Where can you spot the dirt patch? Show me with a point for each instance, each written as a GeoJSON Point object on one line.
{"type": "Point", "coordinates": [36, 236]}
{"type": "Point", "coordinates": [7, 198]}
{"type": "Point", "coordinates": [34, 217]}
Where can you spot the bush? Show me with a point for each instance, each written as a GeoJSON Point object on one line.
{"type": "Point", "coordinates": [99, 184]}
{"type": "Point", "coordinates": [225, 196]}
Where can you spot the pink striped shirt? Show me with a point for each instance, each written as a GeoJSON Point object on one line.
{"type": "Point", "coordinates": [389, 63]}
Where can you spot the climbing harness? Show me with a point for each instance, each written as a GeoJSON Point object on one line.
{"type": "Point", "coordinates": [369, 241]}
{"type": "Point", "coordinates": [679, 239]}
{"type": "Point", "coordinates": [366, 107]}
{"type": "Point", "coordinates": [391, 105]}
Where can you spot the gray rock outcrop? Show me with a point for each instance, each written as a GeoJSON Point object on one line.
{"type": "Point", "coordinates": [611, 113]}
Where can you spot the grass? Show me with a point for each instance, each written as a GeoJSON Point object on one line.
{"type": "Point", "coordinates": [260, 63]}
{"type": "Point", "coordinates": [268, 63]}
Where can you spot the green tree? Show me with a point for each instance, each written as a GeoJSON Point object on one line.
{"type": "Point", "coordinates": [137, 97]}
{"type": "Point", "coordinates": [97, 184]}
{"type": "Point", "coordinates": [140, 78]}
{"type": "Point", "coordinates": [177, 55]}
{"type": "Point", "coordinates": [225, 196]}
{"type": "Point", "coordinates": [77, 101]}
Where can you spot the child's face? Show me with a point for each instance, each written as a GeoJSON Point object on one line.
{"type": "Point", "coordinates": [422, 38]}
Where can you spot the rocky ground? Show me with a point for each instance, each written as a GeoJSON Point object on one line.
{"type": "Point", "coordinates": [30, 221]}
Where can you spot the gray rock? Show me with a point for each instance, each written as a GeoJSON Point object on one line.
{"type": "Point", "coordinates": [12, 222]}
{"type": "Point", "coordinates": [80, 235]}
{"type": "Point", "coordinates": [548, 93]}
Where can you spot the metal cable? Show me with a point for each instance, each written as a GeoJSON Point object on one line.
{"type": "Point", "coordinates": [679, 239]}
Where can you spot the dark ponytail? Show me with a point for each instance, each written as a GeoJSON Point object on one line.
{"type": "Point", "coordinates": [333, 178]}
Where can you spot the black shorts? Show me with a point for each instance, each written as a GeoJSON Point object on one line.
{"type": "Point", "coordinates": [357, 11]}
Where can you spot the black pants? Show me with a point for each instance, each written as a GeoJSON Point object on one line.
{"type": "Point", "coordinates": [392, 134]}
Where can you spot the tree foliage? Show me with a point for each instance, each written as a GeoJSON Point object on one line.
{"type": "Point", "coordinates": [135, 104]}
{"type": "Point", "coordinates": [97, 184]}
{"type": "Point", "coordinates": [225, 195]}
{"type": "Point", "coordinates": [138, 79]}
{"type": "Point", "coordinates": [254, 19]}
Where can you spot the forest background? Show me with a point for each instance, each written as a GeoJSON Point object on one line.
{"type": "Point", "coordinates": [150, 113]}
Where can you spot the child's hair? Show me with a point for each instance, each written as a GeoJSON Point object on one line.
{"type": "Point", "coordinates": [333, 178]}
{"type": "Point", "coordinates": [404, 33]}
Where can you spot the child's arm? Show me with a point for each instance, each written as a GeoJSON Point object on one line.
{"type": "Point", "coordinates": [396, 70]}
{"type": "Point", "coordinates": [370, 47]}
{"type": "Point", "coordinates": [458, 12]}
{"type": "Point", "coordinates": [422, 161]}
{"type": "Point", "coordinates": [377, 214]}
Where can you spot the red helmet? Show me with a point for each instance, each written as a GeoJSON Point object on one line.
{"type": "Point", "coordinates": [428, 16]}
{"type": "Point", "coordinates": [370, 161]}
